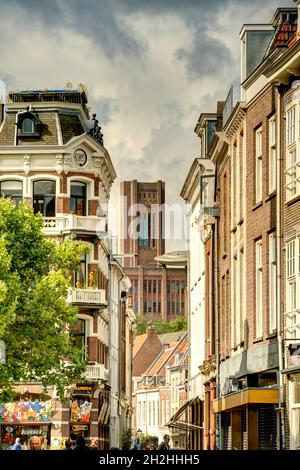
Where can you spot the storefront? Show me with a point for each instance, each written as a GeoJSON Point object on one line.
{"type": "Point", "coordinates": [24, 419]}
{"type": "Point", "coordinates": [81, 406]}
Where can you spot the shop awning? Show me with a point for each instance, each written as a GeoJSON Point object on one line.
{"type": "Point", "coordinates": [176, 422]}
{"type": "Point", "coordinates": [248, 396]}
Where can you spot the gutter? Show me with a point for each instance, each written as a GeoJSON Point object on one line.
{"type": "Point", "coordinates": [281, 423]}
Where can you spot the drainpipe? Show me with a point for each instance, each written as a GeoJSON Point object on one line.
{"type": "Point", "coordinates": [217, 342]}
{"type": "Point", "coordinates": [120, 358]}
{"type": "Point", "coordinates": [280, 432]}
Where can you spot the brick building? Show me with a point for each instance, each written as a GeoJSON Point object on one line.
{"type": "Point", "coordinates": [53, 158]}
{"type": "Point", "coordinates": [158, 282]}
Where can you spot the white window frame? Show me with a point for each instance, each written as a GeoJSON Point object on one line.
{"type": "Point", "coordinates": [258, 289]}
{"type": "Point", "coordinates": [272, 155]}
{"type": "Point", "coordinates": [292, 170]}
{"type": "Point", "coordinates": [292, 313]}
{"type": "Point", "coordinates": [272, 281]}
{"type": "Point", "coordinates": [258, 165]}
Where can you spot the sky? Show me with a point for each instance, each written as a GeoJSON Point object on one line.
{"type": "Point", "coordinates": [150, 66]}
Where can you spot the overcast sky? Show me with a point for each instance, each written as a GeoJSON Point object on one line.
{"type": "Point", "coordinates": [150, 66]}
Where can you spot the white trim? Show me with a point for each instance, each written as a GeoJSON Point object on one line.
{"type": "Point", "coordinates": [58, 129]}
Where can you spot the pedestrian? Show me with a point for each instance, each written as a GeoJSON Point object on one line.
{"type": "Point", "coordinates": [80, 444]}
{"type": "Point", "coordinates": [35, 443]}
{"type": "Point", "coordinates": [137, 445]}
{"type": "Point", "coordinates": [164, 445]}
{"type": "Point", "coordinates": [68, 444]}
{"type": "Point", "coordinates": [17, 445]}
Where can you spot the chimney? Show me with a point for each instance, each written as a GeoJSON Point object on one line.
{"type": "Point", "coordinates": [151, 332]}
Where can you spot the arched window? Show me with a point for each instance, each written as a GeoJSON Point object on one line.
{"type": "Point", "coordinates": [78, 333]}
{"type": "Point", "coordinates": [12, 189]}
{"type": "Point", "coordinates": [78, 200]}
{"type": "Point", "coordinates": [44, 197]}
{"type": "Point", "coordinates": [28, 126]}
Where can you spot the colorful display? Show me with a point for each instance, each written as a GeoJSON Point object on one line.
{"type": "Point", "coordinates": [81, 410]}
{"type": "Point", "coordinates": [26, 411]}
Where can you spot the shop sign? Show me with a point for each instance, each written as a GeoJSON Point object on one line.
{"type": "Point", "coordinates": [82, 390]}
{"type": "Point", "coordinates": [26, 411]}
{"type": "Point", "coordinates": [79, 427]}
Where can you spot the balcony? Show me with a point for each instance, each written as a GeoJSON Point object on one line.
{"type": "Point", "coordinates": [59, 225]}
{"type": "Point", "coordinates": [87, 296]}
{"type": "Point", "coordinates": [96, 372]}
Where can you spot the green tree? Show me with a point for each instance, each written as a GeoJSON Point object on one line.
{"type": "Point", "coordinates": [162, 326]}
{"type": "Point", "coordinates": [34, 314]}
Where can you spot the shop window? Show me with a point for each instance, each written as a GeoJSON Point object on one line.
{"type": "Point", "coordinates": [44, 197]}
{"type": "Point", "coordinates": [78, 200]}
{"type": "Point", "coordinates": [12, 189]}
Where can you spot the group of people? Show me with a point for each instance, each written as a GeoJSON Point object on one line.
{"type": "Point", "coordinates": [34, 443]}
{"type": "Point", "coordinates": [164, 445]}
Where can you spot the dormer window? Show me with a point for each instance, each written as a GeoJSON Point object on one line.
{"type": "Point", "coordinates": [28, 124]}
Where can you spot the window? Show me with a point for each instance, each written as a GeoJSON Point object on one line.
{"type": "Point", "coordinates": [145, 287]}
{"type": "Point", "coordinates": [44, 197]}
{"type": "Point", "coordinates": [259, 290]}
{"type": "Point", "coordinates": [293, 151]}
{"type": "Point", "coordinates": [80, 276]}
{"type": "Point", "coordinates": [78, 332]}
{"type": "Point", "coordinates": [150, 411]}
{"type": "Point", "coordinates": [272, 282]}
{"type": "Point", "coordinates": [159, 287]}
{"type": "Point", "coordinates": [154, 287]}
{"type": "Point", "coordinates": [149, 307]}
{"type": "Point", "coordinates": [78, 198]}
{"type": "Point", "coordinates": [159, 308]}
{"type": "Point", "coordinates": [28, 126]}
{"type": "Point", "coordinates": [292, 285]}
{"type": "Point", "coordinates": [149, 287]}
{"type": "Point", "coordinates": [258, 165]}
{"type": "Point", "coordinates": [291, 121]}
{"type": "Point", "coordinates": [154, 307]}
{"type": "Point", "coordinates": [12, 189]}
{"type": "Point", "coordinates": [145, 307]}
{"type": "Point", "coordinates": [272, 154]}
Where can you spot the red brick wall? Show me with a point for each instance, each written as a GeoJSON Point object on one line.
{"type": "Point", "coordinates": [261, 218]}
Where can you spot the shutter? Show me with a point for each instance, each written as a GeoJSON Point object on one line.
{"type": "Point", "coordinates": [244, 429]}
{"type": "Point", "coordinates": [267, 427]}
{"type": "Point", "coordinates": [226, 431]}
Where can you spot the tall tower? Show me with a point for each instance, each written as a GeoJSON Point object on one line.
{"type": "Point", "coordinates": [158, 284]}
{"type": "Point", "coordinates": [141, 222]}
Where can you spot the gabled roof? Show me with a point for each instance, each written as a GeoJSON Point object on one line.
{"type": "Point", "coordinates": [138, 343]}
{"type": "Point", "coordinates": [158, 366]}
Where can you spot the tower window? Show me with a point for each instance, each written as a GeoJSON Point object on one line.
{"type": "Point", "coordinates": [44, 197]}
{"type": "Point", "coordinates": [78, 198]}
{"type": "Point", "coordinates": [12, 189]}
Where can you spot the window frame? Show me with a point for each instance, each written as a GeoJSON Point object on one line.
{"type": "Point", "coordinates": [44, 195]}
{"type": "Point", "coordinates": [258, 165]}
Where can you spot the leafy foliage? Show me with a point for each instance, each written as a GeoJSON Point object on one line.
{"type": "Point", "coordinates": [149, 440]}
{"type": "Point", "coordinates": [162, 326]}
{"type": "Point", "coordinates": [126, 440]}
{"type": "Point", "coordinates": [34, 314]}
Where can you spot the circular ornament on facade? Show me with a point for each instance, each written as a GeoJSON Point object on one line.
{"type": "Point", "coordinates": [79, 158]}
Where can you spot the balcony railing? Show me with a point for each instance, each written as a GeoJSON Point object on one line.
{"type": "Point", "coordinates": [57, 225]}
{"type": "Point", "coordinates": [87, 296]}
{"type": "Point", "coordinates": [96, 372]}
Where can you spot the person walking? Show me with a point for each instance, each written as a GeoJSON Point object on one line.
{"type": "Point", "coordinates": [164, 445]}
{"type": "Point", "coordinates": [17, 445]}
{"type": "Point", "coordinates": [80, 444]}
{"type": "Point", "coordinates": [35, 443]}
{"type": "Point", "coordinates": [137, 445]}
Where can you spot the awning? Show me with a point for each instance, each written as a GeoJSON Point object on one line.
{"type": "Point", "coordinates": [184, 425]}
{"type": "Point", "coordinates": [248, 396]}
